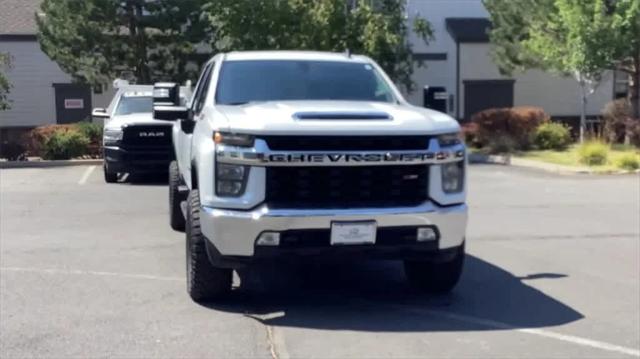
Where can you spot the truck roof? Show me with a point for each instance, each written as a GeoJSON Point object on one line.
{"type": "Point", "coordinates": [294, 55]}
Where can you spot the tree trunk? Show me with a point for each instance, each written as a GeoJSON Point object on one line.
{"type": "Point", "coordinates": [143, 66]}
{"type": "Point", "coordinates": [634, 89]}
{"type": "Point", "coordinates": [583, 108]}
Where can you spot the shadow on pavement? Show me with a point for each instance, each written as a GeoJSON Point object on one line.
{"type": "Point", "coordinates": [147, 179]}
{"type": "Point", "coordinates": [374, 296]}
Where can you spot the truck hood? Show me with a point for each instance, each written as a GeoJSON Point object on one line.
{"type": "Point", "coordinates": [134, 119]}
{"type": "Point", "coordinates": [335, 118]}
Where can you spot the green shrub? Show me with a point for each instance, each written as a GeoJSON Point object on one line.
{"type": "Point", "coordinates": [92, 131]}
{"type": "Point", "coordinates": [629, 161]}
{"type": "Point", "coordinates": [552, 136]}
{"type": "Point", "coordinates": [593, 153]}
{"type": "Point", "coordinates": [63, 145]}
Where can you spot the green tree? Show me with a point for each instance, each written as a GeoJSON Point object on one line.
{"type": "Point", "coordinates": [572, 37]}
{"type": "Point", "coordinates": [377, 28]}
{"type": "Point", "coordinates": [98, 40]}
{"type": "Point", "coordinates": [5, 85]}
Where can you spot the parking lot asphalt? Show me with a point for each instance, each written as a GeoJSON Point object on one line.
{"type": "Point", "coordinates": [93, 270]}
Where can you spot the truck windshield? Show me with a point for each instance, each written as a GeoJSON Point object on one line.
{"type": "Point", "coordinates": [273, 80]}
{"type": "Point", "coordinates": [137, 104]}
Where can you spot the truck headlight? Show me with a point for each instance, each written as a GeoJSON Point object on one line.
{"type": "Point", "coordinates": [230, 179]}
{"type": "Point", "coordinates": [452, 177]}
{"type": "Point", "coordinates": [233, 139]}
{"type": "Point", "coordinates": [112, 136]}
{"type": "Point", "coordinates": [449, 139]}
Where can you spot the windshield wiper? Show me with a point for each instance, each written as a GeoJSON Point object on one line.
{"type": "Point", "coordinates": [239, 103]}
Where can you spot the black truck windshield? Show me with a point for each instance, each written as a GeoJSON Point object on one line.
{"type": "Point", "coordinates": [276, 80]}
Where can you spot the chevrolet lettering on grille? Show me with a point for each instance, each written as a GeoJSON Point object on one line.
{"type": "Point", "coordinates": [278, 158]}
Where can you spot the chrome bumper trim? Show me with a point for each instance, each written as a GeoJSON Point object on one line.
{"type": "Point", "coordinates": [234, 232]}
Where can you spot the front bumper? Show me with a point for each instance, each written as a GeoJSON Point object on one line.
{"type": "Point", "coordinates": [137, 161]}
{"type": "Point", "coordinates": [232, 234]}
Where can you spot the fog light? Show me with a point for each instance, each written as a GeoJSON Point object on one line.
{"type": "Point", "coordinates": [269, 239]}
{"type": "Point", "coordinates": [426, 234]}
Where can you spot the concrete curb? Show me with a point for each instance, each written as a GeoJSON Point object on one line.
{"type": "Point", "coordinates": [489, 159]}
{"type": "Point", "coordinates": [508, 160]}
{"type": "Point", "coordinates": [46, 164]}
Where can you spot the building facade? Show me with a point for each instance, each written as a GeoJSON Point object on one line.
{"type": "Point", "coordinates": [41, 92]}
{"type": "Point", "coordinates": [459, 64]}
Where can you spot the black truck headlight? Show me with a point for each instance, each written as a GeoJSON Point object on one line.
{"type": "Point", "coordinates": [231, 179]}
{"type": "Point", "coordinates": [112, 137]}
{"type": "Point", "coordinates": [452, 177]}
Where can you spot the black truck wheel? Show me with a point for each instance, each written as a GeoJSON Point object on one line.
{"type": "Point", "coordinates": [204, 281]}
{"type": "Point", "coordinates": [435, 276]}
{"type": "Point", "coordinates": [109, 177]}
{"type": "Point", "coordinates": [176, 218]}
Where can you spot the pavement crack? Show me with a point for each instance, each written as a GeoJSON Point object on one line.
{"type": "Point", "coordinates": [272, 345]}
{"type": "Point", "coordinates": [275, 341]}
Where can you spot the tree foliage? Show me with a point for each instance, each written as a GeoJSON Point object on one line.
{"type": "Point", "coordinates": [378, 29]}
{"type": "Point", "coordinates": [5, 85]}
{"type": "Point", "coordinates": [584, 37]}
{"type": "Point", "coordinates": [96, 41]}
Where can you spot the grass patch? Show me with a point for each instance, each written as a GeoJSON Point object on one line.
{"type": "Point", "coordinates": [571, 157]}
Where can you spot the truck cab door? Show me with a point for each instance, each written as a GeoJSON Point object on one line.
{"type": "Point", "coordinates": [183, 132]}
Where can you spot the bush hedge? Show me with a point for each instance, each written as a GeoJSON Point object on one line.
{"type": "Point", "coordinates": [65, 141]}
{"type": "Point", "coordinates": [619, 125]}
{"type": "Point", "coordinates": [552, 136]}
{"type": "Point", "coordinates": [593, 153]}
{"type": "Point", "coordinates": [517, 123]}
{"type": "Point", "coordinates": [64, 145]}
{"type": "Point", "coordinates": [629, 161]}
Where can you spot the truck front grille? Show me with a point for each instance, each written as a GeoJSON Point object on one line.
{"type": "Point", "coordinates": [146, 136]}
{"type": "Point", "coordinates": [346, 143]}
{"type": "Point", "coordinates": [147, 145]}
{"type": "Point", "coordinates": [346, 187]}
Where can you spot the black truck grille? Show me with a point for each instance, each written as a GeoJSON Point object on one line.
{"type": "Point", "coordinates": [147, 145]}
{"type": "Point", "coordinates": [346, 143]}
{"type": "Point", "coordinates": [346, 187]}
{"type": "Point", "coordinates": [146, 137]}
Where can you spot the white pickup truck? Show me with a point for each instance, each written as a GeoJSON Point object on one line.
{"type": "Point", "coordinates": [290, 154]}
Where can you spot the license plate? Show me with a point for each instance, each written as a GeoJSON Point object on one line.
{"type": "Point", "coordinates": [353, 232]}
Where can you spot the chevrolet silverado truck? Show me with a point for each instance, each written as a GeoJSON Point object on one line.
{"type": "Point", "coordinates": [132, 141]}
{"type": "Point", "coordinates": [290, 154]}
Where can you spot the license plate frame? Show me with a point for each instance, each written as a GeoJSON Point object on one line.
{"type": "Point", "coordinates": [353, 233]}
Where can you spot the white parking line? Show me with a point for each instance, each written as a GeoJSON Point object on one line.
{"type": "Point", "coordinates": [81, 272]}
{"type": "Point", "coordinates": [539, 332]}
{"type": "Point", "coordinates": [86, 174]}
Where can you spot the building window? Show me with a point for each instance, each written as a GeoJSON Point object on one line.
{"type": "Point", "coordinates": [620, 84]}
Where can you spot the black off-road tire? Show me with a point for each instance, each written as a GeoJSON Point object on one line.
{"type": "Point", "coordinates": [435, 277]}
{"type": "Point", "coordinates": [176, 218]}
{"type": "Point", "coordinates": [109, 177]}
{"type": "Point", "coordinates": [204, 281]}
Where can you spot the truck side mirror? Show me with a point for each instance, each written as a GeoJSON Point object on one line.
{"type": "Point", "coordinates": [166, 103]}
{"type": "Point", "coordinates": [172, 113]}
{"type": "Point", "coordinates": [166, 94]}
{"type": "Point", "coordinates": [99, 113]}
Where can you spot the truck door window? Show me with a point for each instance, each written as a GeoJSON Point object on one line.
{"type": "Point", "coordinates": [203, 89]}
{"type": "Point", "coordinates": [198, 91]}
